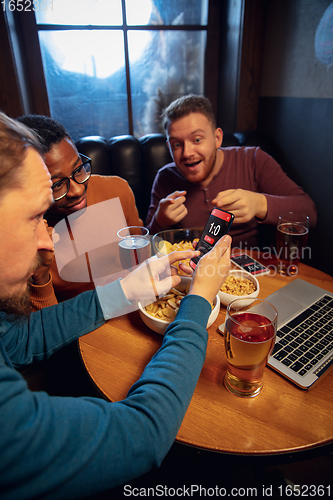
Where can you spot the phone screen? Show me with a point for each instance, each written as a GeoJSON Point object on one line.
{"type": "Point", "coordinates": [248, 264]}
{"type": "Point", "coordinates": [218, 225]}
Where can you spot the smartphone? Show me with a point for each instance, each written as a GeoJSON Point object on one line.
{"type": "Point", "coordinates": [217, 225]}
{"type": "Point", "coordinates": [245, 262]}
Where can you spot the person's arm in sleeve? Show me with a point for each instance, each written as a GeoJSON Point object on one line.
{"type": "Point", "coordinates": [40, 284]}
{"type": "Point", "coordinates": [271, 192]}
{"type": "Point", "coordinates": [69, 447]}
{"type": "Point", "coordinates": [55, 447]}
{"type": "Point", "coordinates": [42, 295]}
{"type": "Point", "coordinates": [282, 193]}
{"type": "Point", "coordinates": [157, 193]}
{"type": "Point", "coordinates": [47, 330]}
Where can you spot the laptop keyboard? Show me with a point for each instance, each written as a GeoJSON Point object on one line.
{"type": "Point", "coordinates": [306, 339]}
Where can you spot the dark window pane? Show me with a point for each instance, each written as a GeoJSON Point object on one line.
{"type": "Point", "coordinates": [171, 12]}
{"type": "Point", "coordinates": [171, 65]}
{"type": "Point", "coordinates": [85, 79]}
{"type": "Point", "coordinates": [85, 69]}
{"type": "Point", "coordinates": [77, 12]}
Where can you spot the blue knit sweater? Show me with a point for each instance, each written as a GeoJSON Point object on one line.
{"type": "Point", "coordinates": [54, 447]}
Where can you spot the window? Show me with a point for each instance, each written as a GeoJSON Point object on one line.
{"type": "Point", "coordinates": [111, 66]}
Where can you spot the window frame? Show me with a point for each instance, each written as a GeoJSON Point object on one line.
{"type": "Point", "coordinates": [35, 75]}
{"type": "Point", "coordinates": [234, 53]}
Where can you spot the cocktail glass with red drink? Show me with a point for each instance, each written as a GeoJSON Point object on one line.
{"type": "Point", "coordinates": [249, 337]}
{"type": "Point", "coordinates": [291, 237]}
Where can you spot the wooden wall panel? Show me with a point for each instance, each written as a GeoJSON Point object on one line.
{"type": "Point", "coordinates": [10, 96]}
{"type": "Point", "coordinates": [35, 79]}
{"type": "Point", "coordinates": [251, 64]}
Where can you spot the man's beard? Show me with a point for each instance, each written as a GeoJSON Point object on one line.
{"type": "Point", "coordinates": [194, 179]}
{"type": "Point", "coordinates": [19, 304]}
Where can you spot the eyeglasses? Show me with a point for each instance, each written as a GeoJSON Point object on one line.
{"type": "Point", "coordinates": [80, 175]}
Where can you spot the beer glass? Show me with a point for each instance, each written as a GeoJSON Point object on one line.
{"type": "Point", "coordinates": [249, 337]}
{"type": "Point", "coordinates": [291, 237]}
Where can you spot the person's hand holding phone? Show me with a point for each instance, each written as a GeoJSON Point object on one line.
{"type": "Point", "coordinates": [212, 270]}
{"type": "Point", "coordinates": [217, 225]}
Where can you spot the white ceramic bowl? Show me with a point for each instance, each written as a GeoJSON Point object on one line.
{"type": "Point", "coordinates": [160, 325]}
{"type": "Point", "coordinates": [226, 298]}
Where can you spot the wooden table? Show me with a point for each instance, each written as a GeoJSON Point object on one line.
{"type": "Point", "coordinates": [283, 419]}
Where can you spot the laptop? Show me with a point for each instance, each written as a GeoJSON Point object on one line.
{"type": "Point", "coordinates": [303, 351]}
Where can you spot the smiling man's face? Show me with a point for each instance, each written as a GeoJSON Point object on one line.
{"type": "Point", "coordinates": [194, 147]}
{"type": "Point", "coordinates": [61, 161]}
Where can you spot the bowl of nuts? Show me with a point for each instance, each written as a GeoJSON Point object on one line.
{"type": "Point", "coordinates": [159, 314]}
{"type": "Point", "coordinates": [239, 284]}
{"type": "Point", "coordinates": [173, 240]}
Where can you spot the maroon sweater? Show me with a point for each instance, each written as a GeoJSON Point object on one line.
{"type": "Point", "coordinates": [247, 168]}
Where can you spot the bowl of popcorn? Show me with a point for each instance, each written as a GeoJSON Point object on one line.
{"type": "Point", "coordinates": [173, 240]}
{"type": "Point", "coordinates": [239, 284]}
{"type": "Point", "coordinates": [159, 314]}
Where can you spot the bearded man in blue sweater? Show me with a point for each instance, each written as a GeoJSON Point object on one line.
{"type": "Point", "coordinates": [53, 447]}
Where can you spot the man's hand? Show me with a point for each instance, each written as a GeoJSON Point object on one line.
{"type": "Point", "coordinates": [44, 258]}
{"type": "Point", "coordinates": [154, 277]}
{"type": "Point", "coordinates": [211, 270]}
{"type": "Point", "coordinates": [171, 209]}
{"type": "Point", "coordinates": [243, 204]}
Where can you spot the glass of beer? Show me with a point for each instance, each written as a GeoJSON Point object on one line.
{"type": "Point", "coordinates": [249, 337]}
{"type": "Point", "coordinates": [291, 237]}
{"type": "Point", "coordinates": [134, 246]}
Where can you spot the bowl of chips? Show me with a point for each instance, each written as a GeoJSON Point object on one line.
{"type": "Point", "coordinates": [239, 284]}
{"type": "Point", "coordinates": [159, 314]}
{"type": "Point", "coordinates": [173, 240]}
